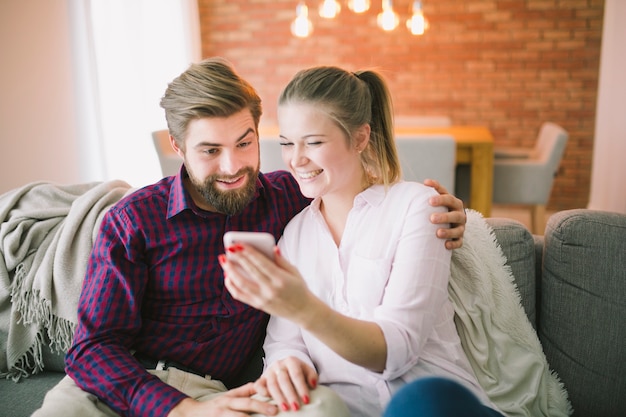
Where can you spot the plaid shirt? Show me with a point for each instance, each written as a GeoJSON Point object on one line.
{"type": "Point", "coordinates": [154, 285]}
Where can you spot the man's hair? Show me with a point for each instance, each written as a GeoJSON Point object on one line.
{"type": "Point", "coordinates": [210, 88]}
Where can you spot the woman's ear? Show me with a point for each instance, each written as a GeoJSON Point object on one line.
{"type": "Point", "coordinates": [362, 137]}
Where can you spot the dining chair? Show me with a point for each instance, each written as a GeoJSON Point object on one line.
{"type": "Point", "coordinates": [422, 120]}
{"type": "Point", "coordinates": [525, 176]}
{"type": "Point", "coordinates": [169, 160]}
{"type": "Point", "coordinates": [428, 156]}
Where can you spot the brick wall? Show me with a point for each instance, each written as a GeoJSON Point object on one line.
{"type": "Point", "coordinates": [506, 64]}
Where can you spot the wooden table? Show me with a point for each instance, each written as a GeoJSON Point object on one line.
{"type": "Point", "coordinates": [474, 146]}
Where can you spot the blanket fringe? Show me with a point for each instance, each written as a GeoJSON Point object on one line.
{"type": "Point", "coordinates": [30, 363]}
{"type": "Point", "coordinates": [34, 309]}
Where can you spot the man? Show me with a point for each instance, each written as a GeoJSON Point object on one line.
{"type": "Point", "coordinates": [154, 317]}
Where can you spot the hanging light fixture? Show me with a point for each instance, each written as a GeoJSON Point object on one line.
{"type": "Point", "coordinates": [329, 9]}
{"type": "Point", "coordinates": [388, 19]}
{"type": "Point", "coordinates": [301, 25]}
{"type": "Point", "coordinates": [417, 24]}
{"type": "Point", "coordinates": [359, 6]}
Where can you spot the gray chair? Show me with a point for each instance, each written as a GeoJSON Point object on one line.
{"type": "Point", "coordinates": [421, 157]}
{"type": "Point", "coordinates": [432, 156]}
{"type": "Point", "coordinates": [271, 155]}
{"type": "Point", "coordinates": [526, 176]}
{"type": "Point", "coordinates": [168, 159]}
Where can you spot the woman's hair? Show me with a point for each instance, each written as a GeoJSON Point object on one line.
{"type": "Point", "coordinates": [210, 88]}
{"type": "Point", "coordinates": [352, 100]}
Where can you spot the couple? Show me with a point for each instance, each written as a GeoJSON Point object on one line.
{"type": "Point", "coordinates": [357, 289]}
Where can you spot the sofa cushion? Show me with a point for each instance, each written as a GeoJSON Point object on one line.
{"type": "Point", "coordinates": [583, 310]}
{"type": "Point", "coordinates": [53, 360]}
{"type": "Point", "coordinates": [21, 399]}
{"type": "Point", "coordinates": [518, 247]}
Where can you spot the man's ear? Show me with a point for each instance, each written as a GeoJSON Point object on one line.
{"type": "Point", "coordinates": [180, 152]}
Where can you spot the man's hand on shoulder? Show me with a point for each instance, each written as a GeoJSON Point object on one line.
{"type": "Point", "coordinates": [455, 217]}
{"type": "Point", "coordinates": [234, 403]}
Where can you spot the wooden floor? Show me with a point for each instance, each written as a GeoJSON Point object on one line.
{"type": "Point", "coordinates": [521, 214]}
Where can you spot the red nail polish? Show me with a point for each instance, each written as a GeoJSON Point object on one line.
{"type": "Point", "coordinates": [305, 399]}
{"type": "Point", "coordinates": [221, 258]}
{"type": "Point", "coordinates": [295, 406]}
{"type": "Point", "coordinates": [314, 383]}
{"type": "Point", "coordinates": [232, 249]}
{"type": "Point", "coordinates": [284, 406]}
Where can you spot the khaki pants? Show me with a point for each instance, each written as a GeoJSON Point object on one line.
{"type": "Point", "coordinates": [66, 399]}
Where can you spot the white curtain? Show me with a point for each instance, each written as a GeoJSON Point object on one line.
{"type": "Point", "coordinates": [608, 185]}
{"type": "Point", "coordinates": [126, 52]}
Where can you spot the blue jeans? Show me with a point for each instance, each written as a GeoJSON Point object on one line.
{"type": "Point", "coordinates": [430, 397]}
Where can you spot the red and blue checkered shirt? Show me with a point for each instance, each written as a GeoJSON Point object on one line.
{"type": "Point", "coordinates": [154, 285]}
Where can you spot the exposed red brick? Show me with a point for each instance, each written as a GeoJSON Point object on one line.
{"type": "Point", "coordinates": [506, 64]}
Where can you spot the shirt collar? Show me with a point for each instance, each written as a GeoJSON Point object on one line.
{"type": "Point", "coordinates": [179, 200]}
{"type": "Point", "coordinates": [373, 196]}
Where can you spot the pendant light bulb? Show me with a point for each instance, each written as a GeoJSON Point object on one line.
{"type": "Point", "coordinates": [417, 24]}
{"type": "Point", "coordinates": [388, 19]}
{"type": "Point", "coordinates": [329, 9]}
{"type": "Point", "coordinates": [359, 6]}
{"type": "Point", "coordinates": [301, 25]}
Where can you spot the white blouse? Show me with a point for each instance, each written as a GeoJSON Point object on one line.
{"type": "Point", "coordinates": [390, 268]}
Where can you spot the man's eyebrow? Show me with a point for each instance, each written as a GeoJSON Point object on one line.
{"type": "Point", "coordinates": [239, 139]}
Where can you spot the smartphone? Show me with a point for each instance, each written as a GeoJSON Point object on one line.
{"type": "Point", "coordinates": [262, 241]}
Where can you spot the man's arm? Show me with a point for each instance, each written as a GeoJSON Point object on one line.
{"type": "Point", "coordinates": [455, 217]}
{"type": "Point", "coordinates": [109, 318]}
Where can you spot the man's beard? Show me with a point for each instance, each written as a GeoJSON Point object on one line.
{"type": "Point", "coordinates": [227, 202]}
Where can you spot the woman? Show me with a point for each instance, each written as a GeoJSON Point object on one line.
{"type": "Point", "coordinates": [367, 309]}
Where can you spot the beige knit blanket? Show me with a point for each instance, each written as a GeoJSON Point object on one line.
{"type": "Point", "coordinates": [502, 346]}
{"type": "Point", "coordinates": [46, 234]}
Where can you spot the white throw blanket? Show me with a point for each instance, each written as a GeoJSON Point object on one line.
{"type": "Point", "coordinates": [46, 234]}
{"type": "Point", "coordinates": [502, 346]}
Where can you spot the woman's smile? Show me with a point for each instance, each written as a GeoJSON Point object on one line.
{"type": "Point", "coordinates": [309, 174]}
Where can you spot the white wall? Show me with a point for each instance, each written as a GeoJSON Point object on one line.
{"type": "Point", "coordinates": [608, 188]}
{"type": "Point", "coordinates": [61, 123]}
{"type": "Point", "coordinates": [38, 132]}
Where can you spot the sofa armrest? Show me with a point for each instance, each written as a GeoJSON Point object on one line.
{"type": "Point", "coordinates": [583, 308]}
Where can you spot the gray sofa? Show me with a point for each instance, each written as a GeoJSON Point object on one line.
{"type": "Point", "coordinates": [572, 281]}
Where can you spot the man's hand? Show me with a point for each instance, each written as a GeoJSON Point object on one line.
{"type": "Point", "coordinates": [234, 403]}
{"type": "Point", "coordinates": [456, 216]}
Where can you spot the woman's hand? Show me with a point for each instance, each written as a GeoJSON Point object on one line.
{"type": "Point", "coordinates": [274, 286]}
{"type": "Point", "coordinates": [288, 382]}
